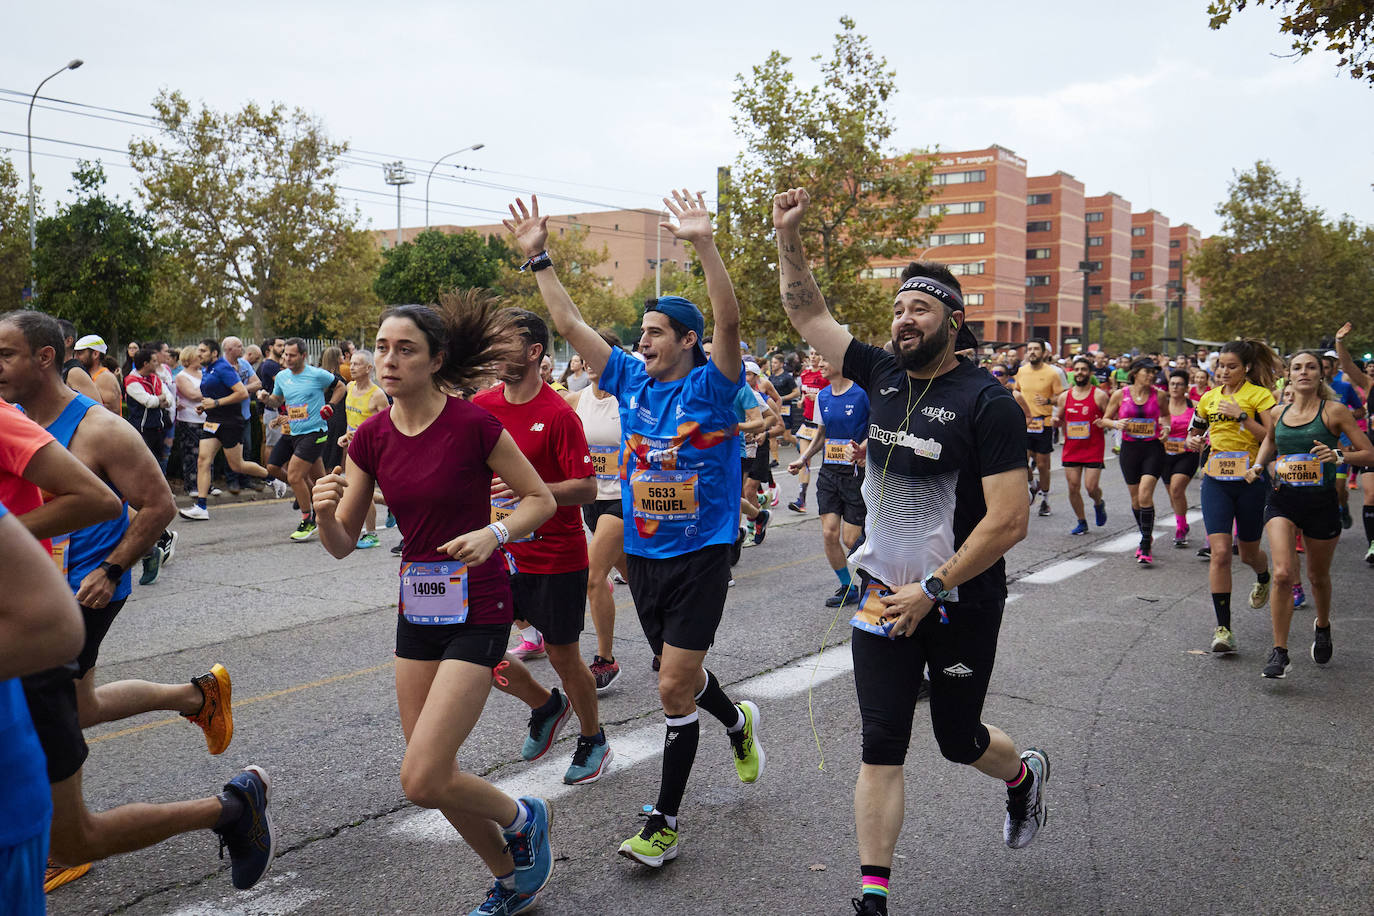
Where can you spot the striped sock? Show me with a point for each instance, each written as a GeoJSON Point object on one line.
{"type": "Point", "coordinates": [1021, 777]}
{"type": "Point", "coordinates": [875, 881]}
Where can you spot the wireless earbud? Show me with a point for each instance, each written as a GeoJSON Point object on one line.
{"type": "Point", "coordinates": [954, 324]}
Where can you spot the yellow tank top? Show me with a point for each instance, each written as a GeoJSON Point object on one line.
{"type": "Point", "coordinates": [356, 404]}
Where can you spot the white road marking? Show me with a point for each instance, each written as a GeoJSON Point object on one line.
{"type": "Point", "coordinates": [1060, 571]}
{"type": "Point", "coordinates": [269, 898]}
{"type": "Point", "coordinates": [1012, 596]}
{"type": "Point", "coordinates": [1131, 539]}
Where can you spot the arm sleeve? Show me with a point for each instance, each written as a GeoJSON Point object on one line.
{"type": "Point", "coordinates": [860, 362]}
{"type": "Point", "coordinates": [998, 428]}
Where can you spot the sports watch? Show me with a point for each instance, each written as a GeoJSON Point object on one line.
{"type": "Point", "coordinates": [538, 262]}
{"type": "Point", "coordinates": [934, 587]}
{"type": "Point", "coordinates": [113, 571]}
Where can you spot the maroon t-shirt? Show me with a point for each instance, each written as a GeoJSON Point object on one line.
{"type": "Point", "coordinates": [438, 484]}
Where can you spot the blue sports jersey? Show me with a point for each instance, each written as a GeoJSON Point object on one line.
{"type": "Point", "coordinates": [679, 468]}
{"type": "Point", "coordinates": [845, 415]}
{"type": "Point", "coordinates": [745, 400]}
{"type": "Point", "coordinates": [304, 394]}
{"type": "Point", "coordinates": [218, 382]}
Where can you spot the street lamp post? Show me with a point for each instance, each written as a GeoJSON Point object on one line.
{"type": "Point", "coordinates": [33, 231]}
{"type": "Point", "coordinates": [397, 174]}
{"type": "Point", "coordinates": [465, 149]}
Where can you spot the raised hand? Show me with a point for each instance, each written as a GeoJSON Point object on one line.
{"type": "Point", "coordinates": [788, 208]}
{"type": "Point", "coordinates": [1345, 329]}
{"type": "Point", "coordinates": [693, 219]}
{"type": "Point", "coordinates": [531, 230]}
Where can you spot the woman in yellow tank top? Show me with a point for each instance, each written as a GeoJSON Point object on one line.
{"type": "Point", "coordinates": [364, 398]}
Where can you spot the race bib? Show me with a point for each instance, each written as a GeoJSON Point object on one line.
{"type": "Point", "coordinates": [837, 451]}
{"type": "Point", "coordinates": [210, 428]}
{"type": "Point", "coordinates": [1174, 446]}
{"type": "Point", "coordinates": [59, 552]}
{"type": "Point", "coordinates": [434, 594]}
{"type": "Point", "coordinates": [1301, 470]}
{"type": "Point", "coordinates": [1078, 429]}
{"type": "Point", "coordinates": [297, 412]}
{"type": "Point", "coordinates": [806, 433]}
{"type": "Point", "coordinates": [1035, 424]}
{"type": "Point", "coordinates": [665, 496]}
{"type": "Point", "coordinates": [1140, 428]}
{"type": "Point", "coordinates": [606, 461]}
{"type": "Point", "coordinates": [1228, 465]}
{"type": "Point", "coordinates": [502, 509]}
{"type": "Point", "coordinates": [787, 410]}
{"type": "Point", "coordinates": [873, 616]}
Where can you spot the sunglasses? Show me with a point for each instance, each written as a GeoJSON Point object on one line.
{"type": "Point", "coordinates": [999, 375]}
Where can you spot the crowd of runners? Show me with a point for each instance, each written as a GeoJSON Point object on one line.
{"type": "Point", "coordinates": [524, 499]}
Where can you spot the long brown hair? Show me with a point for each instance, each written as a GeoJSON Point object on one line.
{"type": "Point", "coordinates": [470, 331]}
{"type": "Point", "coordinates": [1262, 365]}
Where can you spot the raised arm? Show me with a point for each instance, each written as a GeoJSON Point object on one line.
{"type": "Point", "coordinates": [801, 296]}
{"type": "Point", "coordinates": [1357, 377]}
{"type": "Point", "coordinates": [531, 233]}
{"type": "Point", "coordinates": [694, 225]}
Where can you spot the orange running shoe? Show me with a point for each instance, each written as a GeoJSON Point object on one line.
{"type": "Point", "coordinates": [216, 717]}
{"type": "Point", "coordinates": [57, 875]}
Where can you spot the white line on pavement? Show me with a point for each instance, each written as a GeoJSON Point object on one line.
{"type": "Point", "coordinates": [1060, 571]}
{"type": "Point", "coordinates": [1131, 539]}
{"type": "Point", "coordinates": [269, 898]}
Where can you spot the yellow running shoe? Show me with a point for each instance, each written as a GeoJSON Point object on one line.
{"type": "Point", "coordinates": [216, 717]}
{"type": "Point", "coordinates": [749, 756]}
{"type": "Point", "coordinates": [57, 875]}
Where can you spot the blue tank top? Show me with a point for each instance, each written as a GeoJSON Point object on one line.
{"type": "Point", "coordinates": [89, 547]}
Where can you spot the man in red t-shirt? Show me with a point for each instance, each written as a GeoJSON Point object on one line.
{"type": "Point", "coordinates": [550, 585]}
{"type": "Point", "coordinates": [812, 381]}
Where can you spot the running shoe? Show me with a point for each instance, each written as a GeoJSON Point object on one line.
{"type": "Point", "coordinates": [196, 513]}
{"type": "Point", "coordinates": [1026, 811]}
{"type": "Point", "coordinates": [845, 596]}
{"type": "Point", "coordinates": [152, 565]}
{"type": "Point", "coordinates": [1223, 640]}
{"type": "Point", "coordinates": [1259, 595]}
{"type": "Point", "coordinates": [797, 505]}
{"type": "Point", "coordinates": [617, 578]}
{"type": "Point", "coordinates": [250, 838]}
{"type": "Point", "coordinates": [1205, 553]}
{"type": "Point", "coordinates": [1100, 509]}
{"type": "Point", "coordinates": [529, 848]}
{"type": "Point", "coordinates": [216, 491]}
{"type": "Point", "coordinates": [280, 488]}
{"type": "Point", "coordinates": [1080, 528]}
{"type": "Point", "coordinates": [773, 499]}
{"type": "Point", "coordinates": [368, 540]}
{"type": "Point", "coordinates": [216, 715]}
{"type": "Point", "coordinates": [1044, 508]}
{"type": "Point", "coordinates": [502, 901]}
{"type": "Point", "coordinates": [865, 907]}
{"type": "Point", "coordinates": [605, 670]}
{"type": "Point", "coordinates": [57, 875]}
{"type": "Point", "coordinates": [657, 663]}
{"type": "Point", "coordinates": [530, 650]}
{"type": "Point", "coordinates": [655, 844]}
{"type": "Point", "coordinates": [390, 519]}
{"type": "Point", "coordinates": [589, 760]}
{"type": "Point", "coordinates": [1346, 520]}
{"type": "Point", "coordinates": [1321, 644]}
{"type": "Point", "coordinates": [1278, 663]}
{"type": "Point", "coordinates": [1144, 557]}
{"type": "Point", "coordinates": [1181, 535]}
{"type": "Point", "coordinates": [1299, 597]}
{"type": "Point", "coordinates": [544, 729]}
{"type": "Point", "coordinates": [399, 548]}
{"type": "Point", "coordinates": [304, 531]}
{"type": "Point", "coordinates": [749, 755]}
{"type": "Point", "coordinates": [168, 545]}
{"type": "Point", "coordinates": [761, 525]}
{"type": "Point", "coordinates": [1034, 488]}
{"type": "Point", "coordinates": [1369, 555]}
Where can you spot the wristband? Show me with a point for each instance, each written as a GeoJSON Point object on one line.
{"type": "Point", "coordinates": [537, 263]}
{"type": "Point", "coordinates": [502, 535]}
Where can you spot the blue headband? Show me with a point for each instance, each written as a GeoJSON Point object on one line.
{"type": "Point", "coordinates": [933, 288]}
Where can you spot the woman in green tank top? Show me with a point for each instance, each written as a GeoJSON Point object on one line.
{"type": "Point", "coordinates": [1299, 456]}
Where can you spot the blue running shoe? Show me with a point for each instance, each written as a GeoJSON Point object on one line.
{"type": "Point", "coordinates": [1100, 509]}
{"type": "Point", "coordinates": [544, 729]}
{"type": "Point", "coordinates": [502, 902]}
{"type": "Point", "coordinates": [589, 760]}
{"type": "Point", "coordinates": [250, 839]}
{"type": "Point", "coordinates": [390, 519]}
{"type": "Point", "coordinates": [530, 849]}
{"type": "Point", "coordinates": [1080, 528]}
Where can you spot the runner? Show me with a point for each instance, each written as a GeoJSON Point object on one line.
{"type": "Point", "coordinates": [1039, 382]}
{"type": "Point", "coordinates": [90, 352]}
{"type": "Point", "coordinates": [749, 412]}
{"type": "Point", "coordinates": [939, 521]}
{"type": "Point", "coordinates": [678, 484]}
{"type": "Point", "coordinates": [433, 454]}
{"type": "Point", "coordinates": [812, 381]}
{"type": "Point", "coordinates": [1137, 413]}
{"type": "Point", "coordinates": [1364, 380]}
{"type": "Point", "coordinates": [1305, 438]}
{"type": "Point", "coordinates": [365, 398]}
{"type": "Point", "coordinates": [1235, 417]}
{"type": "Point", "coordinates": [272, 356]}
{"type": "Point", "coordinates": [95, 560]}
{"type": "Point", "coordinates": [600, 416]}
{"type": "Point", "coordinates": [842, 409]}
{"type": "Point", "coordinates": [1347, 395]}
{"type": "Point", "coordinates": [789, 394]}
{"type": "Point", "coordinates": [74, 374]}
{"type": "Point", "coordinates": [302, 390]}
{"type": "Point", "coordinates": [549, 586]}
{"type": "Point", "coordinates": [1180, 462]}
{"type": "Point", "coordinates": [1078, 409]}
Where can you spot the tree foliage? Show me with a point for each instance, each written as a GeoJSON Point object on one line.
{"type": "Point", "coordinates": [833, 140]}
{"type": "Point", "coordinates": [1126, 328]}
{"type": "Point", "coordinates": [252, 200]}
{"type": "Point", "coordinates": [95, 261]}
{"type": "Point", "coordinates": [14, 236]}
{"type": "Point", "coordinates": [1279, 270]}
{"type": "Point", "coordinates": [577, 264]}
{"type": "Point", "coordinates": [436, 262]}
{"type": "Point", "coordinates": [1344, 27]}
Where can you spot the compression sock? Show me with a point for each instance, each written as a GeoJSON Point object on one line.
{"type": "Point", "coordinates": [679, 752]}
{"type": "Point", "coordinates": [1147, 525]}
{"type": "Point", "coordinates": [875, 880]}
{"type": "Point", "coordinates": [1368, 515]}
{"type": "Point", "coordinates": [1221, 603]}
{"type": "Point", "coordinates": [1136, 512]}
{"type": "Point", "coordinates": [844, 576]}
{"type": "Point", "coordinates": [713, 700]}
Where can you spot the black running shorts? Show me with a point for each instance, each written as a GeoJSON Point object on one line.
{"type": "Point", "coordinates": [680, 600]}
{"type": "Point", "coordinates": [307, 447]}
{"type": "Point", "coordinates": [555, 603]}
{"type": "Point", "coordinates": [479, 643]}
{"type": "Point", "coordinates": [593, 511]}
{"type": "Point", "coordinates": [1042, 443]}
{"type": "Point", "coordinates": [228, 432]}
{"type": "Point", "coordinates": [1140, 459]}
{"type": "Point", "coordinates": [51, 696]}
{"type": "Point", "coordinates": [839, 491]}
{"type": "Point", "coordinates": [1313, 511]}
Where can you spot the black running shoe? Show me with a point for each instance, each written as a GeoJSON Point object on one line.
{"type": "Point", "coordinates": [1321, 644]}
{"type": "Point", "coordinates": [761, 525]}
{"type": "Point", "coordinates": [400, 546]}
{"type": "Point", "coordinates": [867, 907]}
{"type": "Point", "coordinates": [845, 596]}
{"type": "Point", "coordinates": [1278, 664]}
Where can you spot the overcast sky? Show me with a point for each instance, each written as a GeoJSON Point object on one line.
{"type": "Point", "coordinates": [611, 104]}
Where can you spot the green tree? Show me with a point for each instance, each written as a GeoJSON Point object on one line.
{"type": "Point", "coordinates": [436, 262]}
{"type": "Point", "coordinates": [1344, 27]}
{"type": "Point", "coordinates": [1126, 328]}
{"type": "Point", "coordinates": [251, 198]}
{"type": "Point", "coordinates": [577, 264]}
{"type": "Point", "coordinates": [834, 140]}
{"type": "Point", "coordinates": [95, 261]}
{"type": "Point", "coordinates": [14, 236]}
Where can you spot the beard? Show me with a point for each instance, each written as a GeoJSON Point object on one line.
{"type": "Point", "coordinates": [928, 352]}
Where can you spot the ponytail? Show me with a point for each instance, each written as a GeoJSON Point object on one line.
{"type": "Point", "coordinates": [1262, 365]}
{"type": "Point", "coordinates": [470, 331]}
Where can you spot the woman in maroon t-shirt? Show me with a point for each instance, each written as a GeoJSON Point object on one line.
{"type": "Point", "coordinates": [434, 455]}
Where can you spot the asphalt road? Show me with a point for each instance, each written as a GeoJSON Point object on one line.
{"type": "Point", "coordinates": [1181, 782]}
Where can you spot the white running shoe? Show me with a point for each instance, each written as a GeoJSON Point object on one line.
{"type": "Point", "coordinates": [196, 514]}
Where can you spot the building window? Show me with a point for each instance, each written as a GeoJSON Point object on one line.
{"type": "Point", "coordinates": [1038, 280]}
{"type": "Point", "coordinates": [1139, 231]}
{"type": "Point", "coordinates": [1093, 217]}
{"type": "Point", "coordinates": [969, 177]}
{"type": "Point", "coordinates": [956, 238]}
{"type": "Point", "coordinates": [1037, 254]}
{"type": "Point", "coordinates": [1137, 276]}
{"type": "Point", "coordinates": [1137, 253]}
{"type": "Point", "coordinates": [973, 299]}
{"type": "Point", "coordinates": [881, 273]}
{"type": "Point", "coordinates": [1174, 243]}
{"type": "Point", "coordinates": [1037, 308]}
{"type": "Point", "coordinates": [1037, 200]}
{"type": "Point", "coordinates": [1094, 241]}
{"type": "Point", "coordinates": [1094, 290]}
{"type": "Point", "coordinates": [967, 268]}
{"type": "Point", "coordinates": [1094, 266]}
{"type": "Point", "coordinates": [958, 208]}
{"type": "Point", "coordinates": [617, 227]}
{"type": "Point", "coordinates": [1039, 225]}
{"type": "Point", "coordinates": [1175, 263]}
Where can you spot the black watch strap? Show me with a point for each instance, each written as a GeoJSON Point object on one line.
{"type": "Point", "coordinates": [113, 571]}
{"type": "Point", "coordinates": [538, 262]}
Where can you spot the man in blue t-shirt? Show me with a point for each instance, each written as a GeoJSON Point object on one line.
{"type": "Point", "coordinates": [233, 350]}
{"type": "Point", "coordinates": [300, 393]}
{"type": "Point", "coordinates": [1350, 398]}
{"type": "Point", "coordinates": [680, 482]}
{"type": "Point", "coordinates": [842, 414]}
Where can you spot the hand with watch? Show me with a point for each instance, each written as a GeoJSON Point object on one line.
{"type": "Point", "coordinates": [912, 602]}
{"type": "Point", "coordinates": [99, 585]}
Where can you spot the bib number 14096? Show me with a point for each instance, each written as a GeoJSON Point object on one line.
{"type": "Point", "coordinates": [434, 594]}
